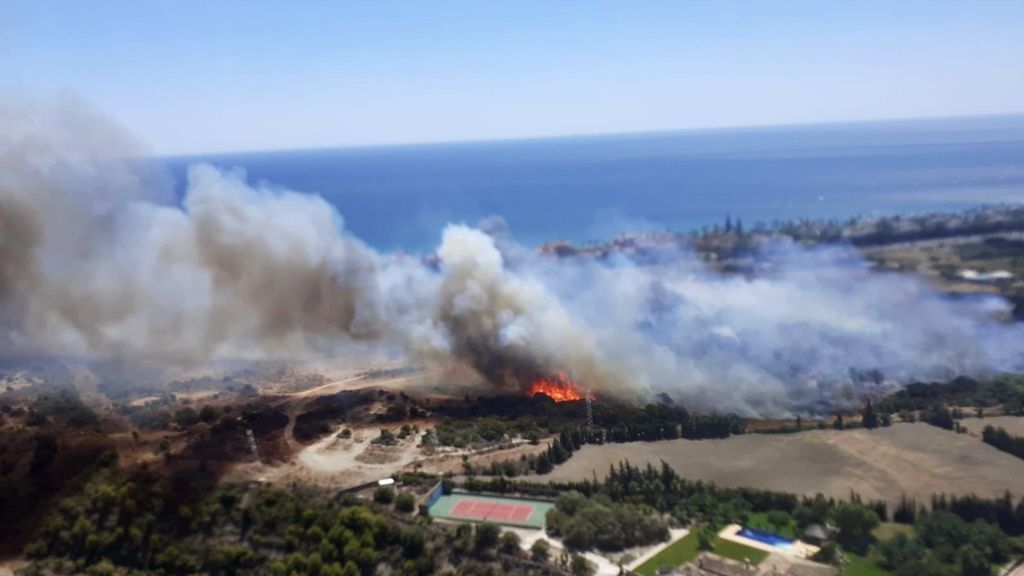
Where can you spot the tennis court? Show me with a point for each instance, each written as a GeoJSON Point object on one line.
{"type": "Point", "coordinates": [476, 508]}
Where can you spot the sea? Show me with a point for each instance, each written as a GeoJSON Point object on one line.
{"type": "Point", "coordinates": [588, 189]}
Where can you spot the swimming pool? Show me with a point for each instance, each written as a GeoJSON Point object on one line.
{"type": "Point", "coordinates": [765, 537]}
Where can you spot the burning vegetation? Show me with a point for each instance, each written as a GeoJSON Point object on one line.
{"type": "Point", "coordinates": [559, 387]}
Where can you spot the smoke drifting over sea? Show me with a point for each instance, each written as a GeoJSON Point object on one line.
{"type": "Point", "coordinates": [97, 259]}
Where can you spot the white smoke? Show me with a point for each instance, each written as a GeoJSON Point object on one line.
{"type": "Point", "coordinates": [95, 260]}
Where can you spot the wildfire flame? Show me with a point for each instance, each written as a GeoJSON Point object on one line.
{"type": "Point", "coordinates": [559, 387]}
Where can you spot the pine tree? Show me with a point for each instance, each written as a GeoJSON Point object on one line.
{"type": "Point", "coordinates": [870, 419]}
{"type": "Point", "coordinates": [544, 464]}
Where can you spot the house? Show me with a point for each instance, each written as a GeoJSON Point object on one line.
{"type": "Point", "coordinates": [707, 564]}
{"type": "Point", "coordinates": [811, 570]}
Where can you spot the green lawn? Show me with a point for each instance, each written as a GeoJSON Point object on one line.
{"type": "Point", "coordinates": [739, 552]}
{"type": "Point", "coordinates": [862, 565]}
{"type": "Point", "coordinates": [686, 549]}
{"type": "Point", "coordinates": [676, 553]}
{"type": "Point", "coordinates": [759, 520]}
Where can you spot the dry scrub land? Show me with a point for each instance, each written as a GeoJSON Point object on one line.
{"type": "Point", "coordinates": [916, 459]}
{"type": "Point", "coordinates": [1012, 424]}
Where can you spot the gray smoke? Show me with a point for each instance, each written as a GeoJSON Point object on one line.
{"type": "Point", "coordinates": [97, 260]}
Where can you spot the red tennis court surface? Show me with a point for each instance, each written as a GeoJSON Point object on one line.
{"type": "Point", "coordinates": [483, 510]}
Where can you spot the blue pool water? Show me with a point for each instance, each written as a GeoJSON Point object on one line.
{"type": "Point", "coordinates": [766, 537]}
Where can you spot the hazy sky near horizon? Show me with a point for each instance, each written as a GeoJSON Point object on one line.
{"type": "Point", "coordinates": [226, 75]}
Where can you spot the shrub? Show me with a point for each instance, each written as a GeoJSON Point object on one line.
{"type": "Point", "coordinates": [580, 566]}
{"type": "Point", "coordinates": [706, 538]}
{"type": "Point", "coordinates": [540, 551]}
{"type": "Point", "coordinates": [586, 523]}
{"type": "Point", "coordinates": [405, 502]}
{"type": "Point", "coordinates": [384, 494]}
{"type": "Point", "coordinates": [486, 536]}
{"type": "Point", "coordinates": [779, 519]}
{"type": "Point", "coordinates": [386, 438]}
{"type": "Point", "coordinates": [509, 543]}
{"type": "Point", "coordinates": [828, 554]}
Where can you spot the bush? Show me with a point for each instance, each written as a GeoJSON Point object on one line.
{"type": "Point", "coordinates": [386, 438]}
{"type": "Point", "coordinates": [855, 523]}
{"type": "Point", "coordinates": [779, 519]}
{"type": "Point", "coordinates": [208, 414]}
{"type": "Point", "coordinates": [540, 551]}
{"type": "Point", "coordinates": [706, 538]}
{"type": "Point", "coordinates": [384, 495]}
{"type": "Point", "coordinates": [186, 417]}
{"type": "Point", "coordinates": [509, 543]}
{"type": "Point", "coordinates": [405, 502]}
{"type": "Point", "coordinates": [585, 523]}
{"type": "Point", "coordinates": [486, 536]}
{"type": "Point", "coordinates": [580, 566]}
{"type": "Point", "coordinates": [899, 551]}
{"type": "Point", "coordinates": [139, 522]}
{"type": "Point", "coordinates": [828, 554]}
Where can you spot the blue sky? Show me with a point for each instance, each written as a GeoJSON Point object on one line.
{"type": "Point", "coordinates": [246, 75]}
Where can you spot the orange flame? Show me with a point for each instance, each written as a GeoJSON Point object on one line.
{"type": "Point", "coordinates": [558, 387]}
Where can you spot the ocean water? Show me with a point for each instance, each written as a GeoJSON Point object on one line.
{"type": "Point", "coordinates": [587, 189]}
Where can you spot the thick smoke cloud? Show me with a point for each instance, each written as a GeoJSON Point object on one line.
{"type": "Point", "coordinates": [96, 259]}
{"type": "Point", "coordinates": [802, 335]}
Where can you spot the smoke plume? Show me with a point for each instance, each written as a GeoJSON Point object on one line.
{"type": "Point", "coordinates": [98, 259]}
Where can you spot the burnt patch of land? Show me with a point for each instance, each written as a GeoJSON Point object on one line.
{"type": "Point", "coordinates": [38, 465]}
{"type": "Point", "coordinates": [364, 405]}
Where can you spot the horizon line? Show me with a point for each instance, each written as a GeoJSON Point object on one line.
{"type": "Point", "coordinates": [595, 135]}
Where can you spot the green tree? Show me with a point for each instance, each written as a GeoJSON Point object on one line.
{"type": "Point", "coordinates": [186, 417]}
{"type": "Point", "coordinates": [900, 550]}
{"type": "Point", "coordinates": [384, 495]}
{"type": "Point", "coordinates": [540, 551]}
{"type": "Point", "coordinates": [570, 502]}
{"type": "Point", "coordinates": [544, 463]}
{"type": "Point", "coordinates": [706, 538]}
{"type": "Point", "coordinates": [509, 543]}
{"type": "Point", "coordinates": [405, 502]}
{"type": "Point", "coordinates": [828, 554]}
{"type": "Point", "coordinates": [870, 417]}
{"type": "Point", "coordinates": [208, 414]}
{"type": "Point", "coordinates": [855, 523]}
{"type": "Point", "coordinates": [779, 519]}
{"type": "Point", "coordinates": [486, 536]}
{"type": "Point", "coordinates": [973, 562]}
{"type": "Point", "coordinates": [580, 566]}
{"type": "Point", "coordinates": [386, 437]}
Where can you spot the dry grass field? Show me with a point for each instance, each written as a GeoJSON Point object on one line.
{"type": "Point", "coordinates": [1012, 424]}
{"type": "Point", "coordinates": [916, 459]}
